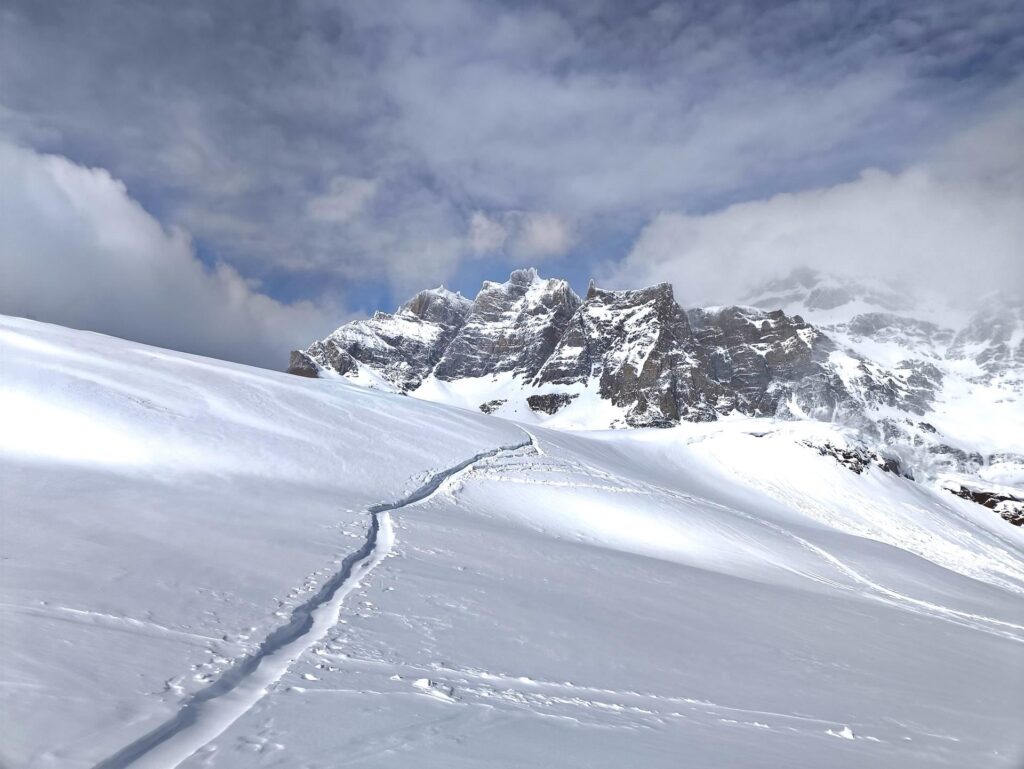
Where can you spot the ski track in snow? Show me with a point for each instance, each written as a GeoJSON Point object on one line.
{"type": "Point", "coordinates": [518, 689]}
{"type": "Point", "coordinates": [208, 713]}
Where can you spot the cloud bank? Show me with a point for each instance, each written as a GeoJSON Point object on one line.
{"type": "Point", "coordinates": [77, 250]}
{"type": "Point", "coordinates": [955, 224]}
{"type": "Point", "coordinates": [356, 142]}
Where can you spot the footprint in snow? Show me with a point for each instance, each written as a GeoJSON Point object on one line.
{"type": "Point", "coordinates": [434, 689]}
{"type": "Point", "coordinates": [846, 733]}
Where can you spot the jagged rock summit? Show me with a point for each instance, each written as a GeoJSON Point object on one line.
{"type": "Point", "coordinates": [915, 386]}
{"type": "Point", "coordinates": [509, 327]}
{"type": "Point", "coordinates": [614, 358]}
{"type": "Point", "coordinates": [400, 348]}
{"type": "Point", "coordinates": [808, 344]}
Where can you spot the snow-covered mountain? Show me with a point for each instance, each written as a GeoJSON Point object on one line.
{"type": "Point", "coordinates": [209, 565]}
{"type": "Point", "coordinates": [940, 403]}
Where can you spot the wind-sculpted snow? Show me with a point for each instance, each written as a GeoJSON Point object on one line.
{"type": "Point", "coordinates": [189, 580]}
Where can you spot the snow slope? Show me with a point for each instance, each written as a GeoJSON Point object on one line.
{"type": "Point", "coordinates": [205, 564]}
{"type": "Point", "coordinates": [164, 513]}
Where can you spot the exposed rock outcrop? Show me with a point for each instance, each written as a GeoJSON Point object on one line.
{"type": "Point", "coordinates": [510, 327]}
{"type": "Point", "coordinates": [859, 458]}
{"type": "Point", "coordinates": [638, 347]}
{"type": "Point", "coordinates": [770, 363]}
{"type": "Point", "coordinates": [301, 364]}
{"type": "Point", "coordinates": [402, 348]}
{"type": "Point", "coordinates": [531, 344]}
{"type": "Point", "coordinates": [1009, 507]}
{"type": "Point", "coordinates": [549, 403]}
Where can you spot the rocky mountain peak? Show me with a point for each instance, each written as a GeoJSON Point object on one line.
{"type": "Point", "coordinates": [638, 347]}
{"type": "Point", "coordinates": [439, 305]}
{"type": "Point", "coordinates": [525, 277]}
{"type": "Point", "coordinates": [511, 327]}
{"type": "Point", "coordinates": [399, 349]}
{"type": "Point", "coordinates": [529, 347]}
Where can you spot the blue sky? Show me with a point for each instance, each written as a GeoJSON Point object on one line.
{"type": "Point", "coordinates": [339, 156]}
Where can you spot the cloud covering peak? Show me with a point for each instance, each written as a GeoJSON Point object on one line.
{"type": "Point", "coordinates": [953, 225]}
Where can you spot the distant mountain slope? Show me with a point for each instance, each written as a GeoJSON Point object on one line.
{"type": "Point", "coordinates": [635, 349]}
{"type": "Point", "coordinates": [939, 390]}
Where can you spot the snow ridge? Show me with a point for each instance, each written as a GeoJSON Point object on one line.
{"type": "Point", "coordinates": [208, 713]}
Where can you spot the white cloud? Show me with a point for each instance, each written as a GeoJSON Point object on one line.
{"type": "Point", "coordinates": [76, 249]}
{"type": "Point", "coordinates": [930, 224]}
{"type": "Point", "coordinates": [348, 197]}
{"type": "Point", "coordinates": [485, 234]}
{"type": "Point", "coordinates": [533, 235]}
{"type": "Point", "coordinates": [540, 235]}
{"type": "Point", "coordinates": [317, 153]}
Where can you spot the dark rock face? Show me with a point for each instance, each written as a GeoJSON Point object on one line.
{"type": "Point", "coordinates": [491, 406]}
{"type": "Point", "coordinates": [549, 403]}
{"type": "Point", "coordinates": [301, 364]}
{"type": "Point", "coordinates": [403, 347]}
{"type": "Point", "coordinates": [766, 359]}
{"type": "Point", "coordinates": [639, 347]}
{"type": "Point", "coordinates": [440, 307]}
{"type": "Point", "coordinates": [1009, 507]}
{"type": "Point", "coordinates": [511, 327]}
{"type": "Point", "coordinates": [330, 354]}
{"type": "Point", "coordinates": [859, 458]}
{"type": "Point", "coordinates": [910, 386]}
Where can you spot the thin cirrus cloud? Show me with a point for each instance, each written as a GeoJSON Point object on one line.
{"type": "Point", "coordinates": [327, 146]}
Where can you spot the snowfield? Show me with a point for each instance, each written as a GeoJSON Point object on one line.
{"type": "Point", "coordinates": [209, 565]}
